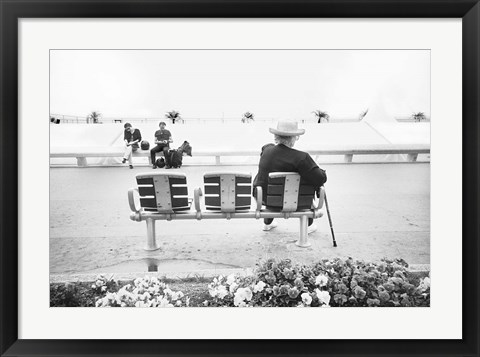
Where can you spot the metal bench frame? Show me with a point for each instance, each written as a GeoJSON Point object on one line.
{"type": "Point", "coordinates": [226, 210]}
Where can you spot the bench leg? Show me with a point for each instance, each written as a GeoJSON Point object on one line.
{"type": "Point", "coordinates": [151, 241]}
{"type": "Point", "coordinates": [217, 160]}
{"type": "Point", "coordinates": [303, 241]}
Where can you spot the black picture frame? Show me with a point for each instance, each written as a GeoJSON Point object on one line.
{"type": "Point", "coordinates": [12, 11]}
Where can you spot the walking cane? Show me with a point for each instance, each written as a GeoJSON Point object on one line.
{"type": "Point", "coordinates": [329, 219]}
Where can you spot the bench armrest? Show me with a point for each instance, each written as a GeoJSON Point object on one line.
{"type": "Point", "coordinates": [131, 200]}
{"type": "Point", "coordinates": [319, 200]}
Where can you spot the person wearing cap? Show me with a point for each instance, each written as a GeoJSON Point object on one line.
{"type": "Point", "coordinates": [163, 138]}
{"type": "Point", "coordinates": [282, 157]}
{"type": "Point", "coordinates": [131, 137]}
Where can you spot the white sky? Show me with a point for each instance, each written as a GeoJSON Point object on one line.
{"type": "Point", "coordinates": [287, 84]}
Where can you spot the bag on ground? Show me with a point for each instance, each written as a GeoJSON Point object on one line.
{"type": "Point", "coordinates": [160, 162]}
{"type": "Point", "coordinates": [175, 158]}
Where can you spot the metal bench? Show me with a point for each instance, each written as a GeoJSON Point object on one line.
{"type": "Point", "coordinates": [164, 196]}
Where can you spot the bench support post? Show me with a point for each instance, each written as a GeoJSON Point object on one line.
{"type": "Point", "coordinates": [217, 160]}
{"type": "Point", "coordinates": [82, 161]}
{"type": "Point", "coordinates": [151, 241]}
{"type": "Point", "coordinates": [303, 241]}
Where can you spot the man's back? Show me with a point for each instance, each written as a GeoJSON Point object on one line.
{"type": "Point", "coordinates": [280, 158]}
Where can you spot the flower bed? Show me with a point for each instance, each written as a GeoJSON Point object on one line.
{"type": "Point", "coordinates": [275, 284]}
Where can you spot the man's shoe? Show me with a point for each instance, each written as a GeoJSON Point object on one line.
{"type": "Point", "coordinates": [124, 161]}
{"type": "Point", "coordinates": [131, 166]}
{"type": "Point", "coordinates": [154, 166]}
{"type": "Point", "coordinates": [269, 227]}
{"type": "Point", "coordinates": [312, 228]}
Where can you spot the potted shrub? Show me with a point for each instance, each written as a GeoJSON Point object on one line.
{"type": "Point", "coordinates": [418, 117]}
{"type": "Point", "coordinates": [94, 117]}
{"type": "Point", "coordinates": [173, 116]}
{"type": "Point", "coordinates": [247, 117]}
{"type": "Point", "coordinates": [322, 117]}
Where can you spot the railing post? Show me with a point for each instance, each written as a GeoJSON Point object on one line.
{"type": "Point", "coordinates": [82, 161]}
{"type": "Point", "coordinates": [348, 158]}
{"type": "Point", "coordinates": [412, 157]}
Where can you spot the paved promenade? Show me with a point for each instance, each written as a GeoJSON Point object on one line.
{"type": "Point", "coordinates": [378, 210]}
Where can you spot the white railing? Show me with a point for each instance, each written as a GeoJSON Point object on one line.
{"type": "Point", "coordinates": [72, 119]}
{"type": "Point", "coordinates": [412, 152]}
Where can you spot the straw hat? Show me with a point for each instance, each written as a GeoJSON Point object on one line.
{"type": "Point", "coordinates": [287, 128]}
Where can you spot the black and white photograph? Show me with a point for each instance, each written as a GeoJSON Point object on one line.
{"type": "Point", "coordinates": [239, 178]}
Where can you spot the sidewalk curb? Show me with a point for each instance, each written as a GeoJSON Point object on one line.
{"type": "Point", "coordinates": [416, 269]}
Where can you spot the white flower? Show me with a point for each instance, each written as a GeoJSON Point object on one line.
{"type": "Point", "coordinates": [230, 279]}
{"type": "Point", "coordinates": [247, 292]}
{"type": "Point", "coordinates": [222, 292]}
{"type": "Point", "coordinates": [426, 282]}
{"type": "Point", "coordinates": [323, 296]}
{"type": "Point", "coordinates": [187, 301]}
{"type": "Point", "coordinates": [238, 300]}
{"type": "Point", "coordinates": [139, 304]}
{"type": "Point", "coordinates": [218, 291]}
{"type": "Point", "coordinates": [242, 294]}
{"type": "Point", "coordinates": [259, 287]}
{"type": "Point", "coordinates": [205, 303]}
{"type": "Point", "coordinates": [306, 298]}
{"type": "Point", "coordinates": [178, 303]}
{"type": "Point", "coordinates": [233, 287]}
{"type": "Point", "coordinates": [94, 286]}
{"type": "Point", "coordinates": [321, 280]}
{"type": "Point", "coordinates": [164, 303]}
{"type": "Point", "coordinates": [103, 288]}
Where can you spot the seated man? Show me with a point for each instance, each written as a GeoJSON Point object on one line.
{"type": "Point", "coordinates": [283, 158]}
{"type": "Point", "coordinates": [163, 138]}
{"type": "Point", "coordinates": [132, 138]}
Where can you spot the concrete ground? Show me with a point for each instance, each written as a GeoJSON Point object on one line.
{"type": "Point", "coordinates": [378, 210]}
